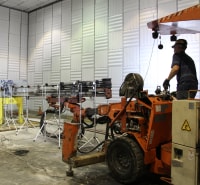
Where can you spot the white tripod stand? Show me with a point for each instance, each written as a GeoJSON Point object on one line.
{"type": "Point", "coordinates": [27, 122]}
{"type": "Point", "coordinates": [43, 127]}
{"type": "Point", "coordinates": [93, 141]}
{"type": "Point", "coordinates": [52, 122]}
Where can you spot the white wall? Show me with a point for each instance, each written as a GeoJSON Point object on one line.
{"type": "Point", "coordinates": [13, 44]}
{"type": "Point", "coordinates": [89, 40]}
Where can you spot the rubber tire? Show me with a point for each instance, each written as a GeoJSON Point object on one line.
{"type": "Point", "coordinates": [125, 160]}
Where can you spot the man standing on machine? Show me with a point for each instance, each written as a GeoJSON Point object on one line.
{"type": "Point", "coordinates": [184, 68]}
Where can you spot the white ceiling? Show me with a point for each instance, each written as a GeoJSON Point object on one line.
{"type": "Point", "coordinates": [26, 5]}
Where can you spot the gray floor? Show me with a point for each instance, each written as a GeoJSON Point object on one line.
{"type": "Point", "coordinates": [25, 161]}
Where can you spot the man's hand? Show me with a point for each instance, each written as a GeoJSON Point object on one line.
{"type": "Point", "coordinates": [166, 84]}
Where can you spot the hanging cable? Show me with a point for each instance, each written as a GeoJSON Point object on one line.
{"type": "Point", "coordinates": [150, 59]}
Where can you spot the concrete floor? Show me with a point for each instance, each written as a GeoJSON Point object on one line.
{"type": "Point", "coordinates": [25, 161]}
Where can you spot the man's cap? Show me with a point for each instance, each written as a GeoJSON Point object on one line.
{"type": "Point", "coordinates": [182, 42]}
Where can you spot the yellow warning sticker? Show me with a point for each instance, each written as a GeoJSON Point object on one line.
{"type": "Point", "coordinates": [186, 126]}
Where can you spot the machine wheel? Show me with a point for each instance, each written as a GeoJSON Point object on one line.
{"type": "Point", "coordinates": [125, 160]}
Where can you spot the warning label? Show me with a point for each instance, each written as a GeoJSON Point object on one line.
{"type": "Point", "coordinates": [186, 126]}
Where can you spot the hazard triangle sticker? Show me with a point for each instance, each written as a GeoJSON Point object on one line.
{"type": "Point", "coordinates": [186, 126]}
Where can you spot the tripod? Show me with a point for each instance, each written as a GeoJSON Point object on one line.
{"type": "Point", "coordinates": [43, 127]}
{"type": "Point", "coordinates": [26, 119]}
{"type": "Point", "coordinates": [93, 140]}
{"type": "Point", "coordinates": [51, 122]}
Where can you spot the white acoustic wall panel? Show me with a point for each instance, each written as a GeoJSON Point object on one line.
{"type": "Point", "coordinates": [66, 14]}
{"type": "Point", "coordinates": [88, 11]}
{"type": "Point", "coordinates": [99, 37]}
{"type": "Point", "coordinates": [65, 75]}
{"type": "Point", "coordinates": [115, 40]}
{"type": "Point", "coordinates": [65, 63]}
{"type": "Point", "coordinates": [76, 4]}
{"type": "Point", "coordinates": [116, 79]}
{"type": "Point", "coordinates": [14, 40]}
{"type": "Point", "coordinates": [101, 42]}
{"type": "Point", "coordinates": [75, 75]}
{"type": "Point", "coordinates": [4, 36]}
{"type": "Point", "coordinates": [101, 8]}
{"type": "Point", "coordinates": [88, 74]}
{"type": "Point", "coordinates": [115, 7]}
{"type": "Point", "coordinates": [76, 39]}
{"type": "Point", "coordinates": [39, 42]}
{"type": "Point", "coordinates": [101, 59]}
{"type": "Point", "coordinates": [131, 20]}
{"type": "Point", "coordinates": [32, 41]}
{"type": "Point", "coordinates": [37, 78]}
{"type": "Point", "coordinates": [57, 11]}
{"type": "Point", "coordinates": [23, 41]}
{"type": "Point", "coordinates": [47, 50]}
{"type": "Point", "coordinates": [101, 73]}
{"type": "Point", "coordinates": [13, 64]}
{"type": "Point", "coordinates": [101, 26]}
{"type": "Point", "coordinates": [23, 46]}
{"type": "Point", "coordinates": [166, 7]}
{"type": "Point", "coordinates": [66, 27]}
{"type": "Point", "coordinates": [45, 76]}
{"type": "Point", "coordinates": [23, 56]}
{"type": "Point", "coordinates": [15, 17]}
{"type": "Point", "coordinates": [4, 27]}
{"type": "Point", "coordinates": [88, 61]}
{"type": "Point", "coordinates": [32, 24]}
{"type": "Point", "coordinates": [131, 58]}
{"type": "Point", "coordinates": [4, 66]}
{"type": "Point", "coordinates": [77, 31]}
{"type": "Point", "coordinates": [76, 11]}
{"type": "Point", "coordinates": [115, 23]}
{"type": "Point", "coordinates": [39, 27]}
{"type": "Point", "coordinates": [14, 44]}
{"type": "Point", "coordinates": [40, 15]}
{"type": "Point", "coordinates": [115, 58]}
{"type": "Point", "coordinates": [38, 67]}
{"type": "Point", "coordinates": [76, 44]}
{"type": "Point", "coordinates": [65, 48]}
{"type": "Point", "coordinates": [88, 44]}
{"type": "Point", "coordinates": [14, 75]}
{"type": "Point", "coordinates": [48, 25]}
{"type": "Point", "coordinates": [56, 63]}
{"type": "Point", "coordinates": [46, 65]}
{"type": "Point", "coordinates": [131, 38]}
{"type": "Point", "coordinates": [147, 4]}
{"type": "Point", "coordinates": [4, 13]}
{"type": "Point", "coordinates": [148, 46]}
{"type": "Point", "coordinates": [55, 77]}
{"type": "Point", "coordinates": [129, 5]}
{"type": "Point", "coordinates": [76, 62]}
{"type": "Point", "coordinates": [186, 3]}
{"type": "Point", "coordinates": [115, 47]}
{"type": "Point", "coordinates": [88, 29]}
{"type": "Point", "coordinates": [31, 81]}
